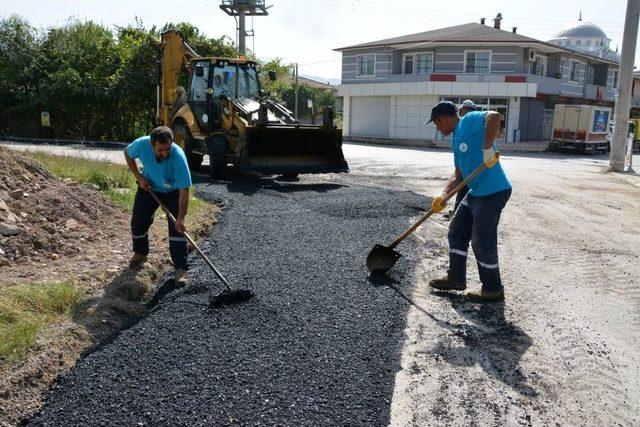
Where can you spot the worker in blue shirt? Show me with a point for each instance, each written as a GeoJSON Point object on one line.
{"type": "Point", "coordinates": [476, 218]}
{"type": "Point", "coordinates": [165, 172]}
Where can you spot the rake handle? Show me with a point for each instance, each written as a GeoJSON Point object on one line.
{"type": "Point", "coordinates": [190, 240]}
{"type": "Point", "coordinates": [449, 195]}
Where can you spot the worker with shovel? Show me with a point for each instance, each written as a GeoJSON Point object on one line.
{"type": "Point", "coordinates": [476, 218]}
{"type": "Point", "coordinates": [166, 173]}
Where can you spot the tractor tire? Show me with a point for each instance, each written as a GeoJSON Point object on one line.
{"type": "Point", "coordinates": [182, 138]}
{"type": "Point", "coordinates": [195, 161]}
{"type": "Point", "coordinates": [218, 148]}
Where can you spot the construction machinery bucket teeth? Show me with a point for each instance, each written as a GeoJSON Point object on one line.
{"type": "Point", "coordinates": [293, 149]}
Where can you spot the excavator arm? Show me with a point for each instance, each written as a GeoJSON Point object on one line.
{"type": "Point", "coordinates": [175, 54]}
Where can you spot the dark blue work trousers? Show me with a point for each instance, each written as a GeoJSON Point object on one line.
{"type": "Point", "coordinates": [144, 208]}
{"type": "Point", "coordinates": [476, 220]}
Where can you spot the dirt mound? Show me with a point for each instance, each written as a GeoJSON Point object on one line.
{"type": "Point", "coordinates": [52, 229]}
{"type": "Point", "coordinates": [44, 219]}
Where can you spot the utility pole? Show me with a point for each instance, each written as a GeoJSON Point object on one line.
{"type": "Point", "coordinates": [297, 87]}
{"type": "Point", "coordinates": [241, 9]}
{"type": "Point", "coordinates": [242, 33]}
{"type": "Point", "coordinates": [625, 80]}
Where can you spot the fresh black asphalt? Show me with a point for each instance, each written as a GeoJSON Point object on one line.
{"type": "Point", "coordinates": [318, 345]}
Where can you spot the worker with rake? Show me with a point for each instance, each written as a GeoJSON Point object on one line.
{"type": "Point", "coordinates": [165, 175]}
{"type": "Point", "coordinates": [476, 218]}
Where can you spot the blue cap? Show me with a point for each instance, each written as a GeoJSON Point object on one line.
{"type": "Point", "coordinates": [442, 108]}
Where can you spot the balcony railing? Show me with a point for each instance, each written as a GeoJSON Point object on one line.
{"type": "Point", "coordinates": [545, 85]}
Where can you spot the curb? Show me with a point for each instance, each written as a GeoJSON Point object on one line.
{"type": "Point", "coordinates": [413, 143]}
{"type": "Point", "coordinates": [96, 144]}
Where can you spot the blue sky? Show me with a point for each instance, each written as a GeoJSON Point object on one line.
{"type": "Point", "coordinates": [306, 31]}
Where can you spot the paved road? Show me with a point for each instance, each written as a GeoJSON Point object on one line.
{"type": "Point", "coordinates": [319, 345]}
{"type": "Point", "coordinates": [560, 350]}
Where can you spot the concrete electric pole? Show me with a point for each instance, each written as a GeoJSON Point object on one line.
{"type": "Point", "coordinates": [296, 88]}
{"type": "Point", "coordinates": [623, 102]}
{"type": "Point", "coordinates": [241, 9]}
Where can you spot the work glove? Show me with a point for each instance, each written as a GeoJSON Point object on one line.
{"type": "Point", "coordinates": [438, 203]}
{"type": "Point", "coordinates": [490, 157]}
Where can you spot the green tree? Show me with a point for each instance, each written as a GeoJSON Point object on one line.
{"type": "Point", "coordinates": [133, 88]}
{"type": "Point", "coordinates": [278, 87]}
{"type": "Point", "coordinates": [20, 71]}
{"type": "Point", "coordinates": [324, 99]}
{"type": "Point", "coordinates": [79, 60]}
{"type": "Point", "coordinates": [305, 93]}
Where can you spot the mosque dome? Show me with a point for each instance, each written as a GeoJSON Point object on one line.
{"type": "Point", "coordinates": [581, 30]}
{"type": "Point", "coordinates": [586, 37]}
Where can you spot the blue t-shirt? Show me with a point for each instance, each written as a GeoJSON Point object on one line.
{"type": "Point", "coordinates": [168, 175]}
{"type": "Point", "coordinates": [466, 144]}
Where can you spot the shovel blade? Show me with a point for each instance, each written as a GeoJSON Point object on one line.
{"type": "Point", "coordinates": [381, 259]}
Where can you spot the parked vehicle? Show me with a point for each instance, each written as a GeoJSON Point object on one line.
{"type": "Point", "coordinates": [581, 127]}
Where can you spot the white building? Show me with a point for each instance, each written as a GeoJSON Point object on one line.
{"type": "Point", "coordinates": [389, 86]}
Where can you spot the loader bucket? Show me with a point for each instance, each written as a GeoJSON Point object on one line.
{"type": "Point", "coordinates": [293, 149]}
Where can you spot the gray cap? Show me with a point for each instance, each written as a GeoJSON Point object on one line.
{"type": "Point", "coordinates": [467, 103]}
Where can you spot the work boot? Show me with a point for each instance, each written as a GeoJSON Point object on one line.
{"type": "Point", "coordinates": [485, 296]}
{"type": "Point", "coordinates": [180, 277]}
{"type": "Point", "coordinates": [137, 260]}
{"type": "Point", "coordinates": [446, 284]}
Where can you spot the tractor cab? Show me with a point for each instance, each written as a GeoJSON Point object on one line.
{"type": "Point", "coordinates": [212, 79]}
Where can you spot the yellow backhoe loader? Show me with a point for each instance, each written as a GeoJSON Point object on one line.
{"type": "Point", "coordinates": [225, 114]}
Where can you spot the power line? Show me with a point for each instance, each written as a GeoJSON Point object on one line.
{"type": "Point", "coordinates": [382, 10]}
{"type": "Point", "coordinates": [321, 62]}
{"type": "Point", "coordinates": [178, 11]}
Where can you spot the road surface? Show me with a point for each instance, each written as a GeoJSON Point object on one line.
{"type": "Point", "coordinates": [560, 349]}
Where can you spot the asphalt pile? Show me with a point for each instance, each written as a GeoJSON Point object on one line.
{"type": "Point", "coordinates": [318, 345]}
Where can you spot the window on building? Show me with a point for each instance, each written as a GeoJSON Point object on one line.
{"type": "Point", "coordinates": [477, 61]}
{"type": "Point", "coordinates": [539, 66]}
{"type": "Point", "coordinates": [366, 65]}
{"type": "Point", "coordinates": [573, 71]}
{"type": "Point", "coordinates": [591, 73]}
{"type": "Point", "coordinates": [578, 43]}
{"type": "Point", "coordinates": [615, 79]}
{"type": "Point", "coordinates": [408, 63]}
{"type": "Point", "coordinates": [588, 43]}
{"type": "Point", "coordinates": [424, 63]}
{"type": "Point", "coordinates": [417, 63]}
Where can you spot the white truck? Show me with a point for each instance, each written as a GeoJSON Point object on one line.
{"type": "Point", "coordinates": [581, 127]}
